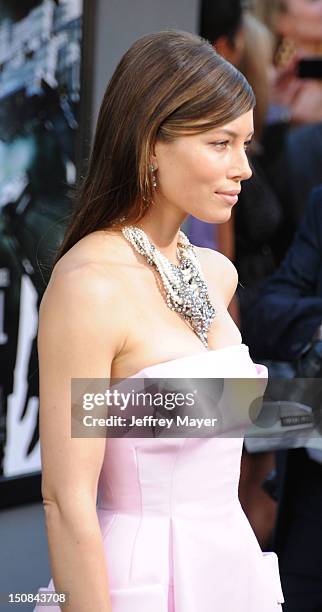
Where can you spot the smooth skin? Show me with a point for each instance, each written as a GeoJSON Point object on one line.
{"type": "Point", "coordinates": [103, 314]}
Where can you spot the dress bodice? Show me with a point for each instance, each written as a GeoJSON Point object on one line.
{"type": "Point", "coordinates": [191, 455]}
{"type": "Point", "coordinates": [175, 536]}
{"type": "Point", "coordinates": [229, 361]}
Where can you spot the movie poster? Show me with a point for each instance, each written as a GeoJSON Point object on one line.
{"type": "Point", "coordinates": [40, 67]}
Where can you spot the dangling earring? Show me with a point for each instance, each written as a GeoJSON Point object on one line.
{"type": "Point", "coordinates": [154, 178]}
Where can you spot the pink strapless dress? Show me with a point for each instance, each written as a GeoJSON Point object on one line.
{"type": "Point", "coordinates": [175, 535]}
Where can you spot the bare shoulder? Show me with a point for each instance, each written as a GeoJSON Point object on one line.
{"type": "Point", "coordinates": [83, 302]}
{"type": "Point", "coordinates": [222, 263]}
{"type": "Point", "coordinates": [85, 282]}
{"type": "Point", "coordinates": [219, 270]}
{"type": "Point", "coordinates": [86, 270]}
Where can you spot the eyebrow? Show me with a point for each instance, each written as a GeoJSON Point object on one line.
{"type": "Point", "coordinates": [233, 134]}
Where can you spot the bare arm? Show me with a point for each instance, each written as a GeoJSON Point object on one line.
{"type": "Point", "coordinates": [79, 334]}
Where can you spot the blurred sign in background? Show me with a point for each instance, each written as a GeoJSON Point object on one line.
{"type": "Point", "coordinates": [40, 75]}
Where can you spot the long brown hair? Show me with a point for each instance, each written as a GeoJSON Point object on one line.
{"type": "Point", "coordinates": [168, 83]}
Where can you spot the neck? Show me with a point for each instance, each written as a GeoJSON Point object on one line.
{"type": "Point", "coordinates": [162, 227]}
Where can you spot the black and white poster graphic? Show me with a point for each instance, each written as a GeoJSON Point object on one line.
{"type": "Point", "coordinates": [40, 66]}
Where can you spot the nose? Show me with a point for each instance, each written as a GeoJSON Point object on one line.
{"type": "Point", "coordinates": [240, 169]}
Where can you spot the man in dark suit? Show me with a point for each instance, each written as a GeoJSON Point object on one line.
{"type": "Point", "coordinates": [281, 322]}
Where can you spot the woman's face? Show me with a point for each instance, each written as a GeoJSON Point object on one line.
{"type": "Point", "coordinates": [201, 174]}
{"type": "Point", "coordinates": [302, 21]}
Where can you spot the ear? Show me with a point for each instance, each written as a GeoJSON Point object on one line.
{"type": "Point", "coordinates": [224, 47]}
{"type": "Point", "coordinates": [153, 160]}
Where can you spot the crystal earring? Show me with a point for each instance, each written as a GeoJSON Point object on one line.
{"type": "Point", "coordinates": [154, 179]}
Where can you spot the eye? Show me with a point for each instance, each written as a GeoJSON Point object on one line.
{"type": "Point", "coordinates": [247, 144]}
{"type": "Point", "coordinates": [221, 144]}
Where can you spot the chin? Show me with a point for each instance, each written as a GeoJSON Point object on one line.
{"type": "Point", "coordinates": [221, 217]}
{"type": "Point", "coordinates": [225, 217]}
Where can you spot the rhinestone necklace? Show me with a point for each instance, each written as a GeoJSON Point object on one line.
{"type": "Point", "coordinates": [185, 287]}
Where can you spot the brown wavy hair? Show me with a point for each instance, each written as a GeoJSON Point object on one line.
{"type": "Point", "coordinates": [167, 84]}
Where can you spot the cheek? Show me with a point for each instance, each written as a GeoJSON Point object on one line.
{"type": "Point", "coordinates": [194, 170]}
{"type": "Point", "coordinates": [172, 174]}
{"type": "Point", "coordinates": [206, 165]}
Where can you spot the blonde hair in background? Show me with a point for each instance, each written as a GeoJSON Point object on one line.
{"type": "Point", "coordinates": [267, 11]}
{"type": "Point", "coordinates": [256, 63]}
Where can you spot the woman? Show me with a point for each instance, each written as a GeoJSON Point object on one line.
{"type": "Point", "coordinates": [168, 533]}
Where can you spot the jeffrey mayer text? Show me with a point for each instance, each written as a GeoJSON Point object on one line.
{"type": "Point", "coordinates": [179, 421]}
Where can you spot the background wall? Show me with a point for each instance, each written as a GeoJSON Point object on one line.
{"type": "Point", "coordinates": [120, 22]}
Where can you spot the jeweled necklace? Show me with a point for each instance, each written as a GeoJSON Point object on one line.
{"type": "Point", "coordinates": [185, 286]}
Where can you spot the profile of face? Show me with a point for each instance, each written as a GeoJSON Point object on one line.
{"type": "Point", "coordinates": [201, 174]}
{"type": "Point", "coordinates": [301, 21]}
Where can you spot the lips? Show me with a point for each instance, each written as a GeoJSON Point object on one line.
{"type": "Point", "coordinates": [231, 197]}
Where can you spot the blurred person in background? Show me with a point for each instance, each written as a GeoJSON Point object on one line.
{"type": "Point", "coordinates": [295, 114]}
{"type": "Point", "coordinates": [285, 324]}
{"type": "Point", "coordinates": [296, 24]}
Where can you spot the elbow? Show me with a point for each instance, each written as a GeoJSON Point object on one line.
{"type": "Point", "coordinates": [69, 506]}
{"type": "Point", "coordinates": [53, 509]}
